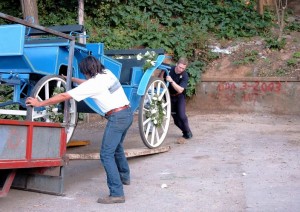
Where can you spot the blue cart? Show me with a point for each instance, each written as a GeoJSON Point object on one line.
{"type": "Point", "coordinates": [33, 58]}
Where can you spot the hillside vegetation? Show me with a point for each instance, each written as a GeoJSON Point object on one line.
{"type": "Point", "coordinates": [181, 27]}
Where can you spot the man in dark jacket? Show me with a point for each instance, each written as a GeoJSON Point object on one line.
{"type": "Point", "coordinates": [178, 79]}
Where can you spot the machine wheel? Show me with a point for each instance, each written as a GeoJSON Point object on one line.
{"type": "Point", "coordinates": [45, 88]}
{"type": "Point", "coordinates": [154, 113]}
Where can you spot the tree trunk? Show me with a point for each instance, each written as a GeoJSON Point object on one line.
{"type": "Point", "coordinates": [260, 6]}
{"type": "Point", "coordinates": [81, 19]}
{"type": "Point", "coordinates": [280, 6]}
{"type": "Point", "coordinates": [30, 11]}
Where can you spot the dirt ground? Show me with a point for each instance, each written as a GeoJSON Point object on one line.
{"type": "Point", "coordinates": [234, 162]}
{"type": "Point", "coordinates": [250, 57]}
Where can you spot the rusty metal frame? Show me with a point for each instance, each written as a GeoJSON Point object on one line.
{"type": "Point", "coordinates": [26, 23]}
{"type": "Point", "coordinates": [7, 184]}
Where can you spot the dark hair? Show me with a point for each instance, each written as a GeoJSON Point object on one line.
{"type": "Point", "coordinates": [91, 66]}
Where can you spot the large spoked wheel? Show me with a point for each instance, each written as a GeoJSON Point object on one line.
{"type": "Point", "coordinates": [155, 113]}
{"type": "Point", "coordinates": [47, 87]}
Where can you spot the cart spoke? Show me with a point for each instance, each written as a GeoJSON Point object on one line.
{"type": "Point", "coordinates": [58, 84]}
{"type": "Point", "coordinates": [47, 92]}
{"type": "Point", "coordinates": [162, 94]}
{"type": "Point", "coordinates": [152, 136]}
{"type": "Point", "coordinates": [39, 98]}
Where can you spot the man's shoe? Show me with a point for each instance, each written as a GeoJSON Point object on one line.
{"type": "Point", "coordinates": [111, 200]}
{"type": "Point", "coordinates": [187, 135]}
{"type": "Point", "coordinates": [126, 182]}
{"type": "Point", "coordinates": [181, 140]}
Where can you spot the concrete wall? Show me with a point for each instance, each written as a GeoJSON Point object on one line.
{"type": "Point", "coordinates": [267, 95]}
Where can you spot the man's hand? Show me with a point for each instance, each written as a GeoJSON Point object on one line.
{"type": "Point", "coordinates": [63, 76]}
{"type": "Point", "coordinates": [30, 101]}
{"type": "Point", "coordinates": [169, 79]}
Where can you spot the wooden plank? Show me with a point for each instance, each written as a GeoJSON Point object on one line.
{"type": "Point", "coordinates": [129, 153]}
{"type": "Point", "coordinates": [145, 151]}
{"type": "Point", "coordinates": [77, 143]}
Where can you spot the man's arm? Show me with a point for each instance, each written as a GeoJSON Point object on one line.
{"type": "Point", "coordinates": [74, 79]}
{"type": "Point", "coordinates": [77, 80]}
{"type": "Point", "coordinates": [30, 101]}
{"type": "Point", "coordinates": [177, 87]}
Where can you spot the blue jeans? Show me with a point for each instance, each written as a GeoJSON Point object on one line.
{"type": "Point", "coordinates": [112, 152]}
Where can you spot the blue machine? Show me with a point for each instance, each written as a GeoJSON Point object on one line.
{"type": "Point", "coordinates": [33, 58]}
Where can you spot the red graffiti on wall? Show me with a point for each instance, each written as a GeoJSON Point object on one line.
{"type": "Point", "coordinates": [262, 87]}
{"type": "Point", "coordinates": [247, 91]}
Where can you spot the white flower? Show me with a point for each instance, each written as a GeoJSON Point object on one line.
{"type": "Point", "coordinates": [147, 54]}
{"type": "Point", "coordinates": [154, 98]}
{"type": "Point", "coordinates": [54, 110]}
{"type": "Point", "coordinates": [153, 63]}
{"type": "Point", "coordinates": [153, 111]}
{"type": "Point", "coordinates": [155, 122]}
{"type": "Point", "coordinates": [153, 54]}
{"type": "Point", "coordinates": [139, 56]}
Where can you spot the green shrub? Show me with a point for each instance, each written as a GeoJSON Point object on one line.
{"type": "Point", "coordinates": [6, 94]}
{"type": "Point", "coordinates": [274, 43]}
{"type": "Point", "coordinates": [194, 70]}
{"type": "Point", "coordinates": [250, 57]}
{"type": "Point", "coordinates": [293, 26]}
{"type": "Point", "coordinates": [292, 62]}
{"type": "Point", "coordinates": [296, 55]}
{"type": "Point", "coordinates": [280, 72]}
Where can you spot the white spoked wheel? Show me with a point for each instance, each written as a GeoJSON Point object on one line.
{"type": "Point", "coordinates": [47, 87]}
{"type": "Point", "coordinates": [155, 113]}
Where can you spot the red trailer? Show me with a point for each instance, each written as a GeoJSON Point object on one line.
{"type": "Point", "coordinates": [32, 156]}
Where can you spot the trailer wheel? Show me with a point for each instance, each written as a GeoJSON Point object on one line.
{"type": "Point", "coordinates": [45, 88]}
{"type": "Point", "coordinates": [154, 113]}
